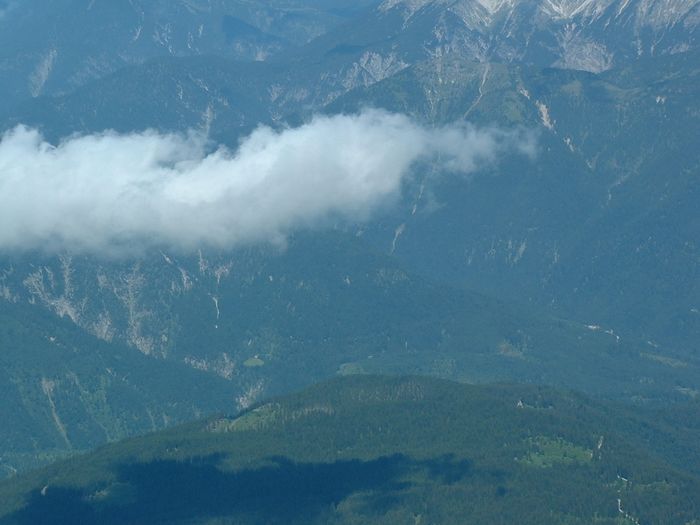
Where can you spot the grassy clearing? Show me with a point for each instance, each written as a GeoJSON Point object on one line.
{"type": "Point", "coordinates": [253, 420]}
{"type": "Point", "coordinates": [547, 452]}
{"type": "Point", "coordinates": [254, 362]}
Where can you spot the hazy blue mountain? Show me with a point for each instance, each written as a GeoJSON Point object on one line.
{"type": "Point", "coordinates": [55, 46]}
{"type": "Point", "coordinates": [223, 98]}
{"type": "Point", "coordinates": [571, 230]}
{"type": "Point", "coordinates": [601, 226]}
{"type": "Point", "coordinates": [592, 36]}
{"type": "Point", "coordinates": [381, 450]}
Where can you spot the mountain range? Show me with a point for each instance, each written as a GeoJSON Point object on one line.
{"type": "Point", "coordinates": [576, 268]}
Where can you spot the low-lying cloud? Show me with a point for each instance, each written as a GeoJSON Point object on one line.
{"type": "Point", "coordinates": [107, 193]}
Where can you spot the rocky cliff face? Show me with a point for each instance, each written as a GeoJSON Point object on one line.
{"type": "Point", "coordinates": [586, 35]}
{"type": "Point", "coordinates": [130, 302]}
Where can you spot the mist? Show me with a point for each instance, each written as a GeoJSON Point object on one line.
{"type": "Point", "coordinates": [113, 193]}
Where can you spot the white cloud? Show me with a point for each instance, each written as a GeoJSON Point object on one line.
{"type": "Point", "coordinates": [108, 193]}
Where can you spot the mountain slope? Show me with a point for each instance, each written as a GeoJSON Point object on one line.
{"type": "Point", "coordinates": [329, 303]}
{"type": "Point", "coordinates": [64, 391]}
{"type": "Point", "coordinates": [56, 46]}
{"type": "Point", "coordinates": [223, 98]}
{"type": "Point", "coordinates": [144, 345]}
{"type": "Point", "coordinates": [600, 227]}
{"type": "Point", "coordinates": [374, 450]}
{"type": "Point", "coordinates": [585, 35]}
{"type": "Point", "coordinates": [582, 233]}
{"type": "Point", "coordinates": [581, 34]}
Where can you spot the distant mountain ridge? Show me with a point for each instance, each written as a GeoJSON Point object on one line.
{"type": "Point", "coordinates": [49, 47]}
{"type": "Point", "coordinates": [590, 35]}
{"type": "Point", "coordinates": [655, 13]}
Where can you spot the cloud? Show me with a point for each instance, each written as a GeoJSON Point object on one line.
{"type": "Point", "coordinates": [108, 193]}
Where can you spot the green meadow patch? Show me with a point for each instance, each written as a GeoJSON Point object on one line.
{"type": "Point", "coordinates": [547, 452]}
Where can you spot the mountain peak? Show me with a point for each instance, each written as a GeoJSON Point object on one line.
{"type": "Point", "coordinates": [645, 13]}
{"type": "Point", "coordinates": [589, 35]}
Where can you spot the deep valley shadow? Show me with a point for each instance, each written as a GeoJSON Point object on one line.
{"type": "Point", "coordinates": [281, 491]}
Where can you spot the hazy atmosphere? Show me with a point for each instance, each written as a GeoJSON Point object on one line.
{"type": "Point", "coordinates": [340, 262]}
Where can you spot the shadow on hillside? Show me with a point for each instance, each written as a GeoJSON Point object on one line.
{"type": "Point", "coordinates": [282, 491]}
